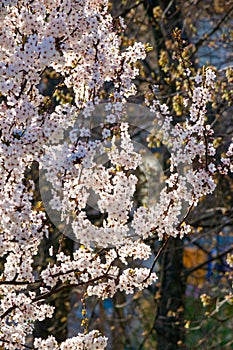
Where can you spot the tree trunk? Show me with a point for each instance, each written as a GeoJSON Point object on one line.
{"type": "Point", "coordinates": [170, 304]}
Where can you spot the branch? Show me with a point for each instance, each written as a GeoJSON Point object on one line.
{"type": "Point", "coordinates": [125, 12]}
{"type": "Point", "coordinates": [20, 283]}
{"type": "Point", "coordinates": [207, 36]}
{"type": "Point", "coordinates": [190, 271]}
{"type": "Point", "coordinates": [161, 249]}
{"type": "Point", "coordinates": [16, 343]}
{"type": "Point", "coordinates": [57, 290]}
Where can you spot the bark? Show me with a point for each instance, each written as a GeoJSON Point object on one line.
{"type": "Point", "coordinates": [170, 305]}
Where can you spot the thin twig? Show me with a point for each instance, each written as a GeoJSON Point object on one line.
{"type": "Point", "coordinates": [190, 271]}
{"type": "Point", "coordinates": [207, 36]}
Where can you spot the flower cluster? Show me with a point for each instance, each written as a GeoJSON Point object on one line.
{"type": "Point", "coordinates": [79, 42]}
{"type": "Point", "coordinates": [189, 143]}
{"type": "Point", "coordinates": [90, 341]}
{"type": "Point", "coordinates": [227, 161]}
{"type": "Point", "coordinates": [103, 279]}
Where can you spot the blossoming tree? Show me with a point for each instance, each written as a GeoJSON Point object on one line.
{"type": "Point", "coordinates": [80, 41]}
